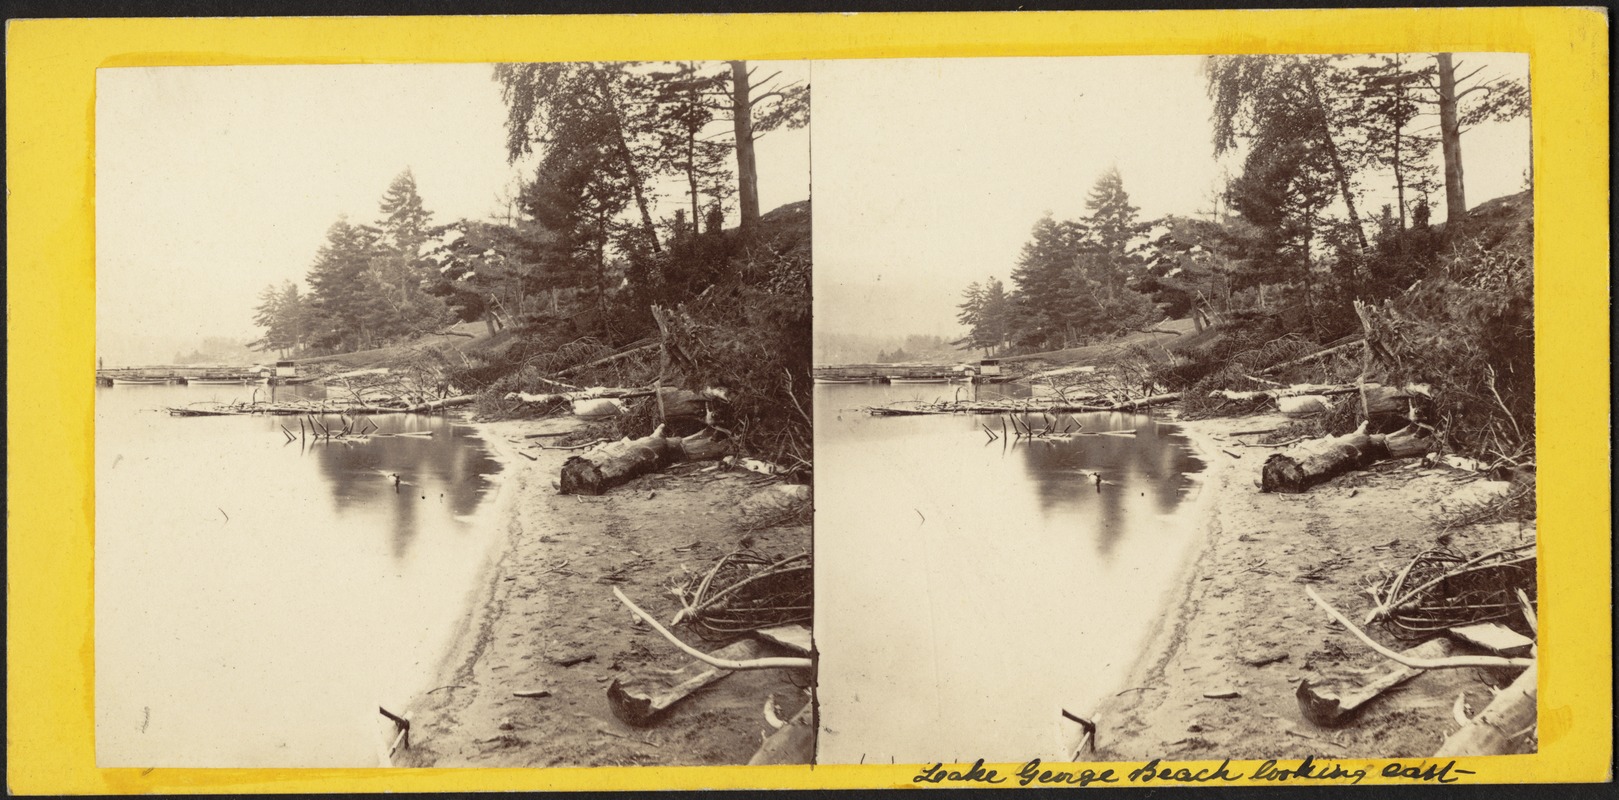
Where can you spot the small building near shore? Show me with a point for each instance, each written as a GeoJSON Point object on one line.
{"type": "Point", "coordinates": [286, 369]}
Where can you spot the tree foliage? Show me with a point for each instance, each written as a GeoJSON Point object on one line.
{"type": "Point", "coordinates": [368, 285]}
{"type": "Point", "coordinates": [1074, 280]}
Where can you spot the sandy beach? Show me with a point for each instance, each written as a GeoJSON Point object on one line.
{"type": "Point", "coordinates": [1220, 676]}
{"type": "Point", "coordinates": [545, 623]}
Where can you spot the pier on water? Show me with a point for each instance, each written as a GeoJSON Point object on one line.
{"type": "Point", "coordinates": [988, 371]}
{"type": "Point", "coordinates": [283, 372]}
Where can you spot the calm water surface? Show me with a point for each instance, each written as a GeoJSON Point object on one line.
{"type": "Point", "coordinates": [968, 590]}
{"type": "Point", "coordinates": [257, 600]}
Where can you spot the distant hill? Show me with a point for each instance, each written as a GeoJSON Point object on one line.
{"type": "Point", "coordinates": [855, 348]}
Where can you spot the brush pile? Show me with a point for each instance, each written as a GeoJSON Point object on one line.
{"type": "Point", "coordinates": [1442, 589]}
{"type": "Point", "coordinates": [745, 591]}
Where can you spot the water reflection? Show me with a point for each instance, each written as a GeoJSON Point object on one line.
{"type": "Point", "coordinates": [969, 588]}
{"type": "Point", "coordinates": [243, 577]}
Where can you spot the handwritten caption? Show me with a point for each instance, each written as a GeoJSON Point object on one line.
{"type": "Point", "coordinates": [1156, 771]}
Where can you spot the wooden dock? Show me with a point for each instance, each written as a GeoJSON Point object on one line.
{"type": "Point", "coordinates": [891, 373]}
{"type": "Point", "coordinates": [175, 374]}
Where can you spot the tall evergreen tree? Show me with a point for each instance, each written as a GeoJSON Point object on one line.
{"type": "Point", "coordinates": [344, 295]}
{"type": "Point", "coordinates": [1041, 291]}
{"type": "Point", "coordinates": [403, 228]}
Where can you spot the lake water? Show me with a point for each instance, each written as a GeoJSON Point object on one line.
{"type": "Point", "coordinates": [968, 590]}
{"type": "Point", "coordinates": [256, 600]}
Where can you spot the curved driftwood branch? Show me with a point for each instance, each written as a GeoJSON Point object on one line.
{"type": "Point", "coordinates": [1415, 663]}
{"type": "Point", "coordinates": [785, 662]}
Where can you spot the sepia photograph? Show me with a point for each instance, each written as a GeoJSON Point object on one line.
{"type": "Point", "coordinates": [453, 415]}
{"type": "Point", "coordinates": [1180, 401]}
{"type": "Point", "coordinates": [1174, 408]}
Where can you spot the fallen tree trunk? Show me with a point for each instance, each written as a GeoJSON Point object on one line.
{"type": "Point", "coordinates": [1154, 400]}
{"type": "Point", "coordinates": [435, 405]}
{"type": "Point", "coordinates": [617, 463]}
{"type": "Point", "coordinates": [608, 359]}
{"type": "Point", "coordinates": [583, 394]}
{"type": "Point", "coordinates": [1510, 715]}
{"type": "Point", "coordinates": [1290, 391]}
{"type": "Point", "coordinates": [304, 409]}
{"type": "Point", "coordinates": [1274, 368]}
{"type": "Point", "coordinates": [1323, 459]}
{"type": "Point", "coordinates": [1040, 406]}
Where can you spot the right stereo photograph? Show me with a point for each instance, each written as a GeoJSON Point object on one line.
{"type": "Point", "coordinates": [1174, 407]}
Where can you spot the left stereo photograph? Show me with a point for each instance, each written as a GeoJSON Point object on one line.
{"type": "Point", "coordinates": [454, 415]}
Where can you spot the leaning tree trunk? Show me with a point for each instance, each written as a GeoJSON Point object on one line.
{"type": "Point", "coordinates": [618, 463]}
{"type": "Point", "coordinates": [631, 172]}
{"type": "Point", "coordinates": [1338, 171]}
{"type": "Point", "coordinates": [1324, 459]}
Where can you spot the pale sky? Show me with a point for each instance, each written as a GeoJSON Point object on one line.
{"type": "Point", "coordinates": [930, 173]}
{"type": "Point", "coordinates": [212, 182]}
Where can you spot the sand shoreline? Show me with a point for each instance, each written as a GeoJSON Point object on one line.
{"type": "Point", "coordinates": [1219, 675]}
{"type": "Point", "coordinates": [1237, 624]}
{"type": "Point", "coordinates": [543, 621]}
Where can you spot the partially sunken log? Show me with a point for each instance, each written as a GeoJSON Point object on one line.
{"type": "Point", "coordinates": [609, 465]}
{"type": "Point", "coordinates": [1321, 460]}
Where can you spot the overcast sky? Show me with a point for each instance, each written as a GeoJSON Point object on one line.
{"type": "Point", "coordinates": [930, 174]}
{"type": "Point", "coordinates": [212, 182]}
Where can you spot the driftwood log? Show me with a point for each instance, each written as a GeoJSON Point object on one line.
{"type": "Point", "coordinates": [609, 465]}
{"type": "Point", "coordinates": [642, 699]}
{"type": "Point", "coordinates": [1320, 460]}
{"type": "Point", "coordinates": [1509, 716]}
{"type": "Point", "coordinates": [1287, 391]}
{"type": "Point", "coordinates": [1328, 708]}
{"type": "Point", "coordinates": [322, 408]}
{"type": "Point", "coordinates": [436, 405]}
{"type": "Point", "coordinates": [592, 393]}
{"type": "Point", "coordinates": [792, 743]}
{"type": "Point", "coordinates": [1029, 406]}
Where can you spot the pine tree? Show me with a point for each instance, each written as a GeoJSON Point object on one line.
{"type": "Point", "coordinates": [1108, 263]}
{"type": "Point", "coordinates": [344, 293]}
{"type": "Point", "coordinates": [403, 227]}
{"type": "Point", "coordinates": [1041, 292]}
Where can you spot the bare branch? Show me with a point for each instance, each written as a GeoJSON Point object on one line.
{"type": "Point", "coordinates": [1469, 75]}
{"type": "Point", "coordinates": [752, 86]}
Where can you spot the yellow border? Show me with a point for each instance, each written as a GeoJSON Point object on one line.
{"type": "Point", "coordinates": [51, 343]}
